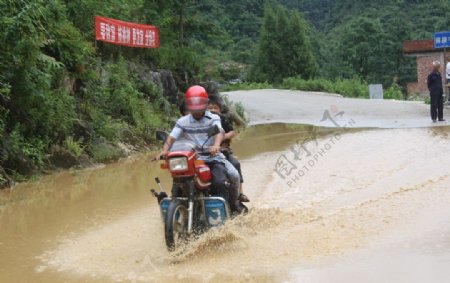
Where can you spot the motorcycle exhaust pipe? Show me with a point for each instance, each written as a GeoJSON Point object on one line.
{"type": "Point", "coordinates": [161, 189]}
{"type": "Point", "coordinates": [159, 196]}
{"type": "Point", "coordinates": [154, 192]}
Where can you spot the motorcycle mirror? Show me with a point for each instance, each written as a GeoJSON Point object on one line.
{"type": "Point", "coordinates": [213, 131]}
{"type": "Point", "coordinates": [161, 135]}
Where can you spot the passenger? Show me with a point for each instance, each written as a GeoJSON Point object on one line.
{"type": "Point", "coordinates": [182, 109]}
{"type": "Point", "coordinates": [215, 106]}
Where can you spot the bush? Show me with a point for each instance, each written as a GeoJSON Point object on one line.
{"type": "Point", "coordinates": [119, 102]}
{"type": "Point", "coordinates": [245, 86]}
{"type": "Point", "coordinates": [415, 97]}
{"type": "Point", "coordinates": [33, 149]}
{"type": "Point", "coordinates": [348, 88]}
{"type": "Point", "coordinates": [394, 92]}
{"type": "Point", "coordinates": [240, 110]}
{"type": "Point", "coordinates": [73, 146]}
{"type": "Point", "coordinates": [104, 152]}
{"type": "Point", "coordinates": [351, 88]}
{"type": "Point", "coordinates": [307, 85]}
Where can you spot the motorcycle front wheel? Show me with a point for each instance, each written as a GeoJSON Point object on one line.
{"type": "Point", "coordinates": [176, 225]}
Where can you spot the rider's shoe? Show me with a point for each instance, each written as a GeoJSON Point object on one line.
{"type": "Point", "coordinates": [244, 209]}
{"type": "Point", "coordinates": [243, 198]}
{"type": "Point", "coordinates": [239, 209]}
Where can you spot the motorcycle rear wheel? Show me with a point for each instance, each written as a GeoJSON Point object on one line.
{"type": "Point", "coordinates": [176, 225]}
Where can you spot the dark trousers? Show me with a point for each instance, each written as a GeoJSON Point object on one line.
{"type": "Point", "coordinates": [233, 160]}
{"type": "Point", "coordinates": [219, 180]}
{"type": "Point", "coordinates": [448, 83]}
{"type": "Point", "coordinates": [436, 107]}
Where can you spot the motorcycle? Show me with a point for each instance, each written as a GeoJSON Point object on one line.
{"type": "Point", "coordinates": [191, 209]}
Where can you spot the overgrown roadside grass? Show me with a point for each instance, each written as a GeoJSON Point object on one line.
{"type": "Point", "coordinates": [245, 86]}
{"type": "Point", "coordinates": [355, 87]}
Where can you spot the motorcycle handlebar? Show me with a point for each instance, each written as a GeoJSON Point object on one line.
{"type": "Point", "coordinates": [162, 157]}
{"type": "Point", "coordinates": [207, 153]}
{"type": "Point", "coordinates": [199, 152]}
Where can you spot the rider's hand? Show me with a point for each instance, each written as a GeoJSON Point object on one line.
{"type": "Point", "coordinates": [161, 154]}
{"type": "Point", "coordinates": [213, 150]}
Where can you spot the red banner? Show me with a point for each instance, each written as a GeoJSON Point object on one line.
{"type": "Point", "coordinates": [124, 33]}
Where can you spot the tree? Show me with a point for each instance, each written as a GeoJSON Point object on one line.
{"type": "Point", "coordinates": [268, 49]}
{"type": "Point", "coordinates": [359, 48]}
{"type": "Point", "coordinates": [284, 49]}
{"type": "Point", "coordinates": [395, 67]}
{"type": "Point", "coordinates": [38, 44]}
{"type": "Point", "coordinates": [300, 60]}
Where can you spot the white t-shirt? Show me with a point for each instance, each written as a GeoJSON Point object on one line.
{"type": "Point", "coordinates": [447, 71]}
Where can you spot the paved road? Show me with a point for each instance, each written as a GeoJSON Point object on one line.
{"type": "Point", "coordinates": [287, 106]}
{"type": "Point", "coordinates": [382, 195]}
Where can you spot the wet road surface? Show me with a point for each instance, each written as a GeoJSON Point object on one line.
{"type": "Point", "coordinates": [300, 107]}
{"type": "Point", "coordinates": [328, 205]}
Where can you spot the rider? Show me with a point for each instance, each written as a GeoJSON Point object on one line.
{"type": "Point", "coordinates": [194, 126]}
{"type": "Point", "coordinates": [215, 106]}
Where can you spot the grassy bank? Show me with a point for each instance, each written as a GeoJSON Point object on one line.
{"type": "Point", "coordinates": [345, 87]}
{"type": "Point", "coordinates": [114, 110]}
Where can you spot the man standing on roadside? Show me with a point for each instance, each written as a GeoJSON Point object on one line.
{"type": "Point", "coordinates": [434, 83]}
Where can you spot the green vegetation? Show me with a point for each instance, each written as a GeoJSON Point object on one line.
{"type": "Point", "coordinates": [56, 89]}
{"type": "Point", "coordinates": [393, 92]}
{"type": "Point", "coordinates": [240, 110]}
{"type": "Point", "coordinates": [364, 38]}
{"type": "Point", "coordinates": [284, 49]}
{"type": "Point", "coordinates": [246, 86]}
{"type": "Point", "coordinates": [60, 89]}
{"type": "Point", "coordinates": [346, 87]}
{"type": "Point", "coordinates": [74, 147]}
{"type": "Point", "coordinates": [355, 87]}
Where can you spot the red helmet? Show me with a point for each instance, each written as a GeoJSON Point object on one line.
{"type": "Point", "coordinates": [196, 99]}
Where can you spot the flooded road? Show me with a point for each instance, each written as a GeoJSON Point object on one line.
{"type": "Point", "coordinates": [327, 205]}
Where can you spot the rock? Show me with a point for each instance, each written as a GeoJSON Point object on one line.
{"type": "Point", "coordinates": [21, 164]}
{"type": "Point", "coordinates": [13, 158]}
{"type": "Point", "coordinates": [165, 81]}
{"type": "Point", "coordinates": [212, 87]}
{"type": "Point", "coordinates": [84, 161]}
{"type": "Point", "coordinates": [162, 78]}
{"type": "Point", "coordinates": [5, 180]}
{"type": "Point", "coordinates": [128, 136]}
{"type": "Point", "coordinates": [127, 149]}
{"type": "Point", "coordinates": [62, 158]}
{"type": "Point", "coordinates": [69, 84]}
{"type": "Point", "coordinates": [82, 129]}
{"type": "Point", "coordinates": [102, 151]}
{"type": "Point", "coordinates": [4, 146]}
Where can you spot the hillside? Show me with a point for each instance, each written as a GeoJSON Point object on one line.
{"type": "Point", "coordinates": [65, 96]}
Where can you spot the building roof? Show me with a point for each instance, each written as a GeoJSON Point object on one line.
{"type": "Point", "coordinates": [419, 46]}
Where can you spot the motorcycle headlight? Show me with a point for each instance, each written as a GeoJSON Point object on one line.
{"type": "Point", "coordinates": [178, 164]}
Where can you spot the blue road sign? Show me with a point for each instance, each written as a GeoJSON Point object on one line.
{"type": "Point", "coordinates": [442, 39]}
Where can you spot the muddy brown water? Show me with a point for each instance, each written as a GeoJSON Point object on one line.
{"type": "Point", "coordinates": [341, 193]}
